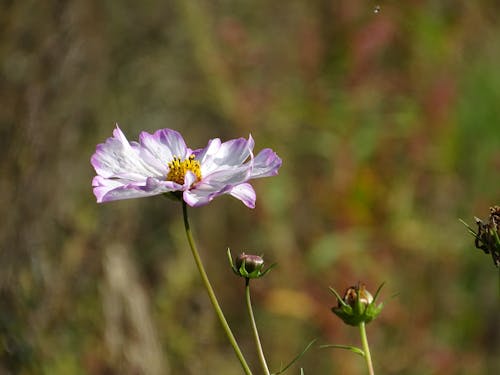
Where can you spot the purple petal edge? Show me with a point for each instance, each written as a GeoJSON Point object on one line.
{"type": "Point", "coordinates": [266, 164]}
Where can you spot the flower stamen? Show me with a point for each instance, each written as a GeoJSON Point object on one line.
{"type": "Point", "coordinates": [178, 169]}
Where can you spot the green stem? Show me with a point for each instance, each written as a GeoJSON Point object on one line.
{"type": "Point", "coordinates": [366, 348]}
{"type": "Point", "coordinates": [211, 293]}
{"type": "Point", "coordinates": [260, 352]}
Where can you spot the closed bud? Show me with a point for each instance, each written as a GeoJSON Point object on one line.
{"type": "Point", "coordinates": [251, 263]}
{"type": "Point", "coordinates": [248, 266]}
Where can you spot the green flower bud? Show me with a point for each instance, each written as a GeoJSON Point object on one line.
{"type": "Point", "coordinates": [248, 266]}
{"type": "Point", "coordinates": [357, 305]}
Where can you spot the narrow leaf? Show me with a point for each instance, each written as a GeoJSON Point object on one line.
{"type": "Point", "coordinates": [470, 230]}
{"type": "Point", "coordinates": [346, 347]}
{"type": "Point", "coordinates": [295, 359]}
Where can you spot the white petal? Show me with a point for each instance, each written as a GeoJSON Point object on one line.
{"type": "Point", "coordinates": [265, 164]}
{"type": "Point", "coordinates": [207, 153]}
{"type": "Point", "coordinates": [163, 146]}
{"type": "Point", "coordinates": [111, 190]}
{"type": "Point", "coordinates": [229, 176]}
{"type": "Point", "coordinates": [102, 186]}
{"type": "Point", "coordinates": [118, 158]}
{"type": "Point", "coordinates": [202, 196]}
{"type": "Point", "coordinates": [245, 193]}
{"type": "Point", "coordinates": [229, 154]}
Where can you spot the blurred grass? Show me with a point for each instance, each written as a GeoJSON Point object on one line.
{"type": "Point", "coordinates": [388, 125]}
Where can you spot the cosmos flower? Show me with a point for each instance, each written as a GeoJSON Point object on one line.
{"type": "Point", "coordinates": [162, 163]}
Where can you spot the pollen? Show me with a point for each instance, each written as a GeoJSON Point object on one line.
{"type": "Point", "coordinates": [178, 169]}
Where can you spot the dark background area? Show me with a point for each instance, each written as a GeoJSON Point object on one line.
{"type": "Point", "coordinates": [388, 127]}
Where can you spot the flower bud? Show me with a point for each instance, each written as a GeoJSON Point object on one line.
{"type": "Point", "coordinates": [357, 305]}
{"type": "Point", "coordinates": [250, 262]}
{"type": "Point", "coordinates": [248, 266]}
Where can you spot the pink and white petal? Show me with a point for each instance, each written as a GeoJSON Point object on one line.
{"type": "Point", "coordinates": [265, 164]}
{"type": "Point", "coordinates": [118, 135]}
{"type": "Point", "coordinates": [189, 179]}
{"type": "Point", "coordinates": [204, 192]}
{"type": "Point", "coordinates": [245, 193]}
{"type": "Point", "coordinates": [196, 199]}
{"type": "Point", "coordinates": [125, 192]}
{"type": "Point", "coordinates": [234, 152]}
{"type": "Point", "coordinates": [115, 190]}
{"type": "Point", "coordinates": [102, 186]}
{"type": "Point", "coordinates": [205, 155]}
{"type": "Point", "coordinates": [202, 196]}
{"type": "Point", "coordinates": [153, 161]}
{"type": "Point", "coordinates": [230, 154]}
{"type": "Point", "coordinates": [229, 176]}
{"type": "Point", "coordinates": [117, 158]}
{"type": "Point", "coordinates": [164, 145]}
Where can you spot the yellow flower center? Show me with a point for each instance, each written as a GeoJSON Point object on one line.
{"type": "Point", "coordinates": [178, 169]}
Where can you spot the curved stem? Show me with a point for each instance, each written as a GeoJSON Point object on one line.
{"type": "Point", "coordinates": [211, 293]}
{"type": "Point", "coordinates": [366, 348]}
{"type": "Point", "coordinates": [260, 352]}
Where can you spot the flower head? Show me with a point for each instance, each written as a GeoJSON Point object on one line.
{"type": "Point", "coordinates": [162, 163]}
{"type": "Point", "coordinates": [487, 237]}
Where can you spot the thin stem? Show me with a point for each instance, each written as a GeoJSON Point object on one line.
{"type": "Point", "coordinates": [366, 348]}
{"type": "Point", "coordinates": [260, 352]}
{"type": "Point", "coordinates": [211, 293]}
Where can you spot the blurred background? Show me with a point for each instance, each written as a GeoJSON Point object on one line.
{"type": "Point", "coordinates": [386, 115]}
